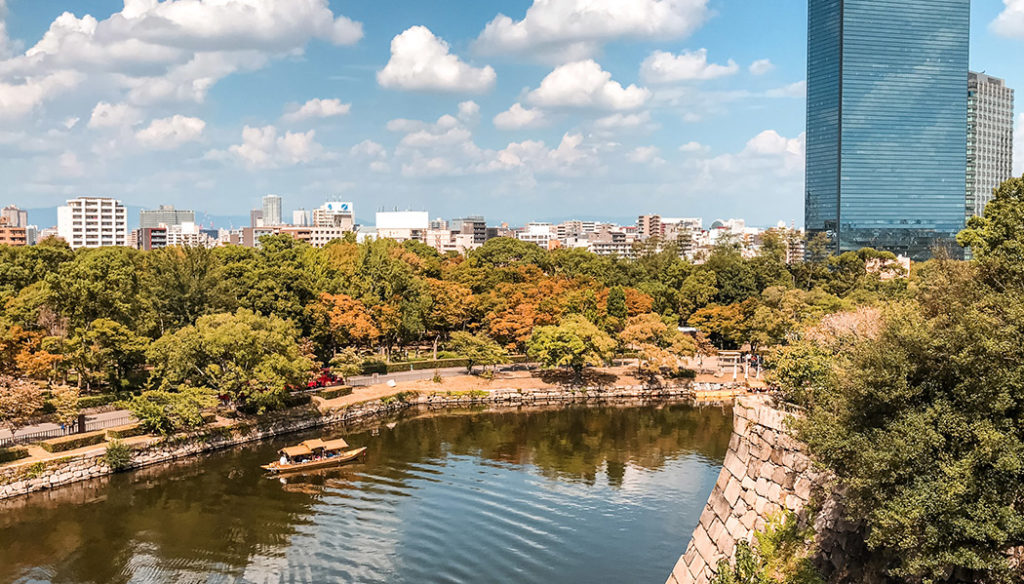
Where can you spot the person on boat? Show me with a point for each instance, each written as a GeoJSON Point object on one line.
{"type": "Point", "coordinates": [284, 460]}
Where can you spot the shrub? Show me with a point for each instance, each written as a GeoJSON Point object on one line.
{"type": "Point", "coordinates": [118, 456]}
{"type": "Point", "coordinates": [126, 431]}
{"type": "Point", "coordinates": [95, 401]}
{"type": "Point", "coordinates": [371, 366]}
{"type": "Point", "coordinates": [335, 392]}
{"type": "Point", "coordinates": [683, 374]}
{"type": "Point", "coordinates": [12, 454]}
{"type": "Point", "coordinates": [782, 556]}
{"type": "Point", "coordinates": [74, 441]}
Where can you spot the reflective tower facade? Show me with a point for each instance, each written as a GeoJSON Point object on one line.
{"type": "Point", "coordinates": [887, 123]}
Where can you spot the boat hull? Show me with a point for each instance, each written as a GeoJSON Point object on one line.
{"type": "Point", "coordinates": [343, 458]}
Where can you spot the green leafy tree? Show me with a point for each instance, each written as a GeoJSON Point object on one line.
{"type": "Point", "coordinates": [921, 425]}
{"type": "Point", "coordinates": [346, 363]}
{"type": "Point", "coordinates": [65, 403]}
{"type": "Point", "coordinates": [575, 343]}
{"type": "Point", "coordinates": [617, 304]}
{"type": "Point", "coordinates": [249, 358]}
{"type": "Point", "coordinates": [696, 292]}
{"type": "Point", "coordinates": [184, 283]}
{"type": "Point", "coordinates": [99, 283]}
{"type": "Point", "coordinates": [168, 412]}
{"type": "Point", "coordinates": [478, 349]}
{"type": "Point", "coordinates": [108, 352]}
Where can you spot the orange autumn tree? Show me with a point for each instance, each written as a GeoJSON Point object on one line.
{"type": "Point", "coordinates": [341, 321]}
{"type": "Point", "coordinates": [659, 345]}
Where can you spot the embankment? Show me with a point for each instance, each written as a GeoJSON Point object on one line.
{"type": "Point", "coordinates": [30, 476]}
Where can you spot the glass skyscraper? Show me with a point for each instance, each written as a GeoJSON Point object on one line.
{"type": "Point", "coordinates": [887, 123]}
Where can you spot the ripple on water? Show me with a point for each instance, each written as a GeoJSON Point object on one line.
{"type": "Point", "coordinates": [488, 498]}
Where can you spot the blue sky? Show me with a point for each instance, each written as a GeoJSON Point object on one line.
{"type": "Point", "coordinates": [514, 109]}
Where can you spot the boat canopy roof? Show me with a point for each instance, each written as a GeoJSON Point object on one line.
{"type": "Point", "coordinates": [314, 444]}
{"type": "Point", "coordinates": [333, 445]}
{"type": "Point", "coordinates": [296, 451]}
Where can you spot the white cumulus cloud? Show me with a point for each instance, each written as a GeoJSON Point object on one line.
{"type": "Point", "coordinates": [6, 46]}
{"type": "Point", "coordinates": [664, 67]}
{"type": "Point", "coordinates": [265, 148]}
{"type": "Point", "coordinates": [421, 61]}
{"type": "Point", "coordinates": [584, 84]}
{"type": "Point", "coordinates": [317, 108]}
{"type": "Point", "coordinates": [175, 49]}
{"type": "Point", "coordinates": [518, 117]}
{"type": "Point", "coordinates": [575, 29]}
{"type": "Point", "coordinates": [762, 66]}
{"type": "Point", "coordinates": [1010, 21]}
{"type": "Point", "coordinates": [646, 155]}
{"type": "Point", "coordinates": [694, 146]}
{"type": "Point", "coordinates": [106, 115]}
{"type": "Point", "coordinates": [25, 95]}
{"type": "Point", "coordinates": [622, 121]}
{"type": "Point", "coordinates": [170, 133]}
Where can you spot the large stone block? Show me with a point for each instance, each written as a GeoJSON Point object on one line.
{"type": "Point", "coordinates": [763, 485]}
{"type": "Point", "coordinates": [735, 466]}
{"type": "Point", "coordinates": [705, 546]}
{"type": "Point", "coordinates": [732, 491]}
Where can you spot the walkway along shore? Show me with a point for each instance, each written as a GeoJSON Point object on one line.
{"type": "Point", "coordinates": [46, 472]}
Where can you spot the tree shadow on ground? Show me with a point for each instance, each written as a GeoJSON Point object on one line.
{"type": "Point", "coordinates": [567, 378]}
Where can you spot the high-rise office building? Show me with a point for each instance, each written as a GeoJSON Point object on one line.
{"type": "Point", "coordinates": [887, 123]}
{"type": "Point", "coordinates": [93, 222]}
{"type": "Point", "coordinates": [15, 217]}
{"type": "Point", "coordinates": [165, 215]}
{"type": "Point", "coordinates": [475, 226]}
{"type": "Point", "coordinates": [256, 218]}
{"type": "Point", "coordinates": [272, 211]}
{"type": "Point", "coordinates": [300, 218]}
{"type": "Point", "coordinates": [989, 138]}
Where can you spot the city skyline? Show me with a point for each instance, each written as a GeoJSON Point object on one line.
{"type": "Point", "coordinates": [682, 120]}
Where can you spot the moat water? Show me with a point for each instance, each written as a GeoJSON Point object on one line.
{"type": "Point", "coordinates": [578, 494]}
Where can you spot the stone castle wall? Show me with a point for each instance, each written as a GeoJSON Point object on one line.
{"type": "Point", "coordinates": [766, 472]}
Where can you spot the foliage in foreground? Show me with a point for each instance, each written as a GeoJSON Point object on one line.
{"type": "Point", "coordinates": [782, 556]}
{"type": "Point", "coordinates": [920, 413]}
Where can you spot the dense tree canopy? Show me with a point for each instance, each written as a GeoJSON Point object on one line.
{"type": "Point", "coordinates": [918, 406]}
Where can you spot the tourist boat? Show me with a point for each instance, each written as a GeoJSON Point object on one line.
{"type": "Point", "coordinates": [314, 454]}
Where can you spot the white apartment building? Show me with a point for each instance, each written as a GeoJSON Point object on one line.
{"type": "Point", "coordinates": [989, 139]}
{"type": "Point", "coordinates": [403, 225]}
{"type": "Point", "coordinates": [335, 214]}
{"type": "Point", "coordinates": [93, 222]}
{"type": "Point", "coordinates": [539, 233]}
{"type": "Point", "coordinates": [189, 235]}
{"type": "Point", "coordinates": [445, 240]}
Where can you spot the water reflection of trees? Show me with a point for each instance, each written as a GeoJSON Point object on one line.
{"type": "Point", "coordinates": [210, 511]}
{"type": "Point", "coordinates": [218, 512]}
{"type": "Point", "coordinates": [573, 442]}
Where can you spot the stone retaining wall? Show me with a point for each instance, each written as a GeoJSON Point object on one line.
{"type": "Point", "coordinates": [27, 477]}
{"type": "Point", "coordinates": [766, 471]}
